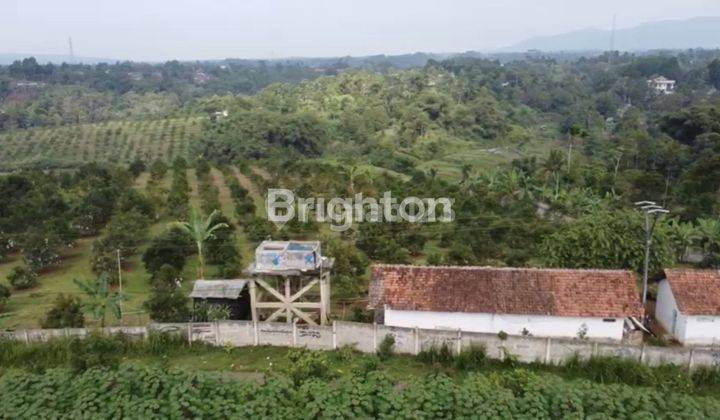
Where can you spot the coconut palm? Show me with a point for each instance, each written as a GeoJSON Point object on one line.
{"type": "Point", "coordinates": [100, 299]}
{"type": "Point", "coordinates": [201, 229]}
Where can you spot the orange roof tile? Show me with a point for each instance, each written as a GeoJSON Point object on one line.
{"type": "Point", "coordinates": [531, 291]}
{"type": "Point", "coordinates": [697, 292]}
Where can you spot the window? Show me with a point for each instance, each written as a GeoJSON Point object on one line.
{"type": "Point", "coordinates": [609, 319]}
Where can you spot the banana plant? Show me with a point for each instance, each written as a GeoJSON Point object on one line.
{"type": "Point", "coordinates": [201, 229]}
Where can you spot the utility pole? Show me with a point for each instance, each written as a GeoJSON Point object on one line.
{"type": "Point", "coordinates": [120, 281]}
{"type": "Point", "coordinates": [650, 208]}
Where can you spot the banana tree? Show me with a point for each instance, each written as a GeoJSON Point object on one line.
{"type": "Point", "coordinates": [100, 299]}
{"type": "Point", "coordinates": [201, 229]}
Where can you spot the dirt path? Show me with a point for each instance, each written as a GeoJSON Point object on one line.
{"type": "Point", "coordinates": [142, 180]}
{"type": "Point", "coordinates": [261, 172]}
{"type": "Point", "coordinates": [194, 193]}
{"type": "Point", "coordinates": [226, 202]}
{"type": "Point", "coordinates": [246, 183]}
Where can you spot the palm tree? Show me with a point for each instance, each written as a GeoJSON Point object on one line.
{"type": "Point", "coordinates": [201, 229]}
{"type": "Point", "coordinates": [100, 299]}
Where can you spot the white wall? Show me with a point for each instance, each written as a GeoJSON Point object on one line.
{"type": "Point", "coordinates": [538, 326]}
{"type": "Point", "coordinates": [702, 330]}
{"type": "Point", "coordinates": [689, 330]}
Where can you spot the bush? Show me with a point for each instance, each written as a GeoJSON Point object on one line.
{"type": "Point", "coordinates": [66, 312]}
{"type": "Point", "coordinates": [4, 295]}
{"type": "Point", "coordinates": [172, 247]}
{"type": "Point", "coordinates": [22, 278]}
{"type": "Point", "coordinates": [95, 350]}
{"type": "Point", "coordinates": [40, 250]}
{"type": "Point", "coordinates": [168, 306]}
{"type": "Point", "coordinates": [386, 347]}
{"type": "Point", "coordinates": [305, 365]}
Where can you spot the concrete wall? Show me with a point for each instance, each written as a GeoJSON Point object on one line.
{"type": "Point", "coordinates": [666, 310]}
{"type": "Point", "coordinates": [367, 337]}
{"type": "Point", "coordinates": [538, 326]}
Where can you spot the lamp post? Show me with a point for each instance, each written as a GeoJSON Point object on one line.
{"type": "Point", "coordinates": [650, 208]}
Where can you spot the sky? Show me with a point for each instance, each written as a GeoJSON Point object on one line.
{"type": "Point", "coordinates": [158, 30]}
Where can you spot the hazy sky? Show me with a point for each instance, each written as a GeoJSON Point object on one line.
{"type": "Point", "coordinates": [192, 29]}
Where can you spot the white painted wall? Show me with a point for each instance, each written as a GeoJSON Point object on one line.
{"type": "Point", "coordinates": [538, 326]}
{"type": "Point", "coordinates": [689, 329]}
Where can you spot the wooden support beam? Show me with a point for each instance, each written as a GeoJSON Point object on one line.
{"type": "Point", "coordinates": [288, 313]}
{"type": "Point", "coordinates": [277, 305]}
{"type": "Point", "coordinates": [304, 290]}
{"type": "Point", "coordinates": [270, 289]}
{"type": "Point", "coordinates": [275, 315]}
{"type": "Point", "coordinates": [253, 301]}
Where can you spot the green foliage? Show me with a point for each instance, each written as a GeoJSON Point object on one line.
{"type": "Point", "coordinates": [22, 278]}
{"type": "Point", "coordinates": [170, 247]}
{"type": "Point", "coordinates": [100, 299]}
{"type": "Point", "coordinates": [177, 394]}
{"type": "Point", "coordinates": [65, 313]}
{"type": "Point", "coordinates": [386, 347]}
{"type": "Point", "coordinates": [41, 250]}
{"type": "Point", "coordinates": [607, 240]}
{"type": "Point", "coordinates": [4, 295]}
{"type": "Point", "coordinates": [167, 302]}
{"type": "Point", "coordinates": [204, 311]}
{"type": "Point", "coordinates": [201, 229]}
{"type": "Point", "coordinates": [307, 366]}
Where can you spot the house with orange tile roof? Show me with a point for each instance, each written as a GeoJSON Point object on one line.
{"type": "Point", "coordinates": [593, 304]}
{"type": "Point", "coordinates": [688, 306]}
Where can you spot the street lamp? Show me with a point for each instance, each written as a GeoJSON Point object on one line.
{"type": "Point", "coordinates": [650, 208]}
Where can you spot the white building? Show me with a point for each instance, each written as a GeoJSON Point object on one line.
{"type": "Point", "coordinates": [688, 306]}
{"type": "Point", "coordinates": [519, 301]}
{"type": "Point", "coordinates": [662, 85]}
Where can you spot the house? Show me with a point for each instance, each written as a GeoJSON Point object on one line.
{"type": "Point", "coordinates": [231, 293]}
{"type": "Point", "coordinates": [662, 85]}
{"type": "Point", "coordinates": [688, 305]}
{"type": "Point", "coordinates": [518, 301]}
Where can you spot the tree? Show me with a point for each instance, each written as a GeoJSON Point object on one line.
{"type": "Point", "coordinates": [41, 249]}
{"type": "Point", "coordinates": [201, 230]}
{"type": "Point", "coordinates": [22, 278]}
{"type": "Point", "coordinates": [607, 240]}
{"type": "Point", "coordinates": [4, 295]}
{"type": "Point", "coordinates": [65, 313]}
{"type": "Point", "coordinates": [100, 299]}
{"type": "Point", "coordinates": [167, 303]}
{"type": "Point", "coordinates": [714, 73]}
{"type": "Point", "coordinates": [171, 247]}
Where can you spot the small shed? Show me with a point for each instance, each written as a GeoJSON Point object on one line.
{"type": "Point", "coordinates": [231, 293]}
{"type": "Point", "coordinates": [688, 306]}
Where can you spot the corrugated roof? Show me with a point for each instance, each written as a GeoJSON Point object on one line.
{"type": "Point", "coordinates": [220, 289]}
{"type": "Point", "coordinates": [697, 292]}
{"type": "Point", "coordinates": [529, 291]}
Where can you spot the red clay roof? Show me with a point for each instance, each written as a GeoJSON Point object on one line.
{"type": "Point", "coordinates": [530, 291]}
{"type": "Point", "coordinates": [697, 292]}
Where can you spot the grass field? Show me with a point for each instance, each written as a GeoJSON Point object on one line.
{"type": "Point", "coordinates": [113, 141]}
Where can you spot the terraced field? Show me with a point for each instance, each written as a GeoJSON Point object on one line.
{"type": "Point", "coordinates": [113, 141]}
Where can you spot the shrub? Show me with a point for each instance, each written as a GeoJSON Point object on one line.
{"type": "Point", "coordinates": [172, 247]}
{"type": "Point", "coordinates": [305, 365]}
{"type": "Point", "coordinates": [66, 312]}
{"type": "Point", "coordinates": [40, 250]}
{"type": "Point", "coordinates": [207, 312]}
{"type": "Point", "coordinates": [168, 306]}
{"type": "Point", "coordinates": [386, 347]}
{"type": "Point", "coordinates": [4, 295]}
{"type": "Point", "coordinates": [22, 278]}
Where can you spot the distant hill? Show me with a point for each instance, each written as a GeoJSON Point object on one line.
{"type": "Point", "coordinates": [7, 58]}
{"type": "Point", "coordinates": [702, 32]}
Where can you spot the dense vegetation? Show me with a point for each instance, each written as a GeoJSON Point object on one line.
{"type": "Point", "coordinates": [542, 158]}
{"type": "Point", "coordinates": [109, 376]}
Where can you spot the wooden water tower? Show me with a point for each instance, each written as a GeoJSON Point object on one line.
{"type": "Point", "coordinates": [290, 280]}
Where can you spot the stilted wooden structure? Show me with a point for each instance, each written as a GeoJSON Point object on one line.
{"type": "Point", "coordinates": [290, 281]}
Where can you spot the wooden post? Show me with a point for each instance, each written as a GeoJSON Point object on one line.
{"type": "Point", "coordinates": [253, 303]}
{"type": "Point", "coordinates": [288, 311]}
{"type": "Point", "coordinates": [189, 333]}
{"type": "Point", "coordinates": [334, 335]}
{"type": "Point", "coordinates": [217, 333]}
{"type": "Point", "coordinates": [548, 343]}
{"type": "Point", "coordinates": [294, 334]}
{"type": "Point", "coordinates": [324, 298]}
{"type": "Point", "coordinates": [255, 329]}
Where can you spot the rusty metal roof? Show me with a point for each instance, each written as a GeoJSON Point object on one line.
{"type": "Point", "coordinates": [218, 289]}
